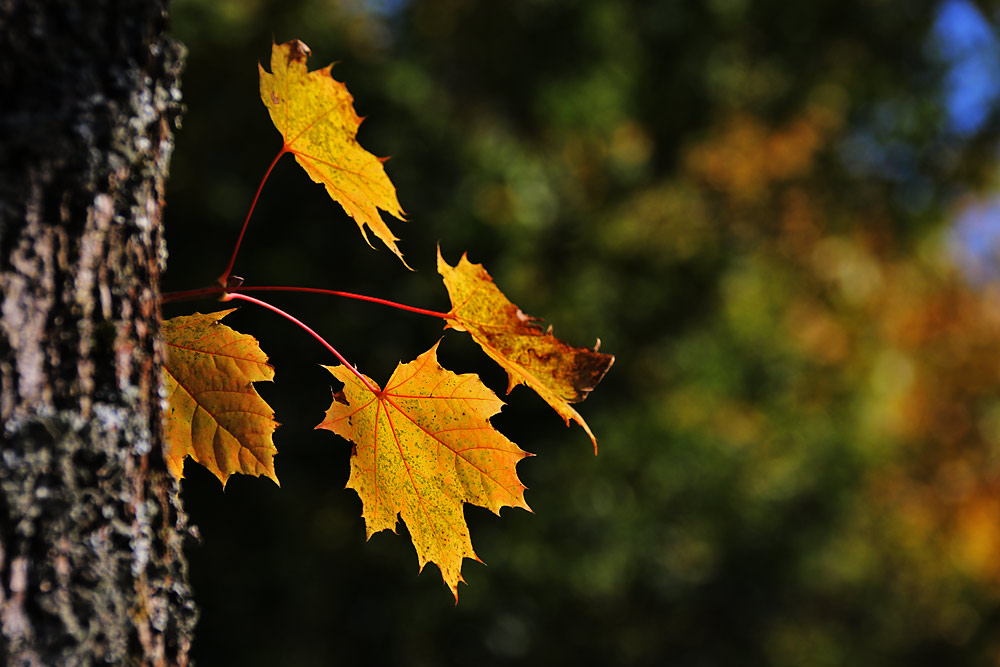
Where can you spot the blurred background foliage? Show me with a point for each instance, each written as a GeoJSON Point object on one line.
{"type": "Point", "coordinates": [783, 220]}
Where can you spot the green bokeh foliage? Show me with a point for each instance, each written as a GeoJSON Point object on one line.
{"type": "Point", "coordinates": [727, 518]}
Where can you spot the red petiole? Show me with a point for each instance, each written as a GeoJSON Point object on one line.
{"type": "Point", "coordinates": [214, 290]}
{"type": "Point", "coordinates": [349, 295]}
{"type": "Point", "coordinates": [191, 294]}
{"type": "Point", "coordinates": [243, 297]}
{"type": "Point", "coordinates": [224, 278]}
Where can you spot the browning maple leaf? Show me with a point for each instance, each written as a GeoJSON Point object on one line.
{"type": "Point", "coordinates": [316, 117]}
{"type": "Point", "coordinates": [559, 373]}
{"type": "Point", "coordinates": [215, 415]}
{"type": "Point", "coordinates": [423, 447]}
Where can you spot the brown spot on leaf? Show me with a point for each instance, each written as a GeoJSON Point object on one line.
{"type": "Point", "coordinates": [298, 50]}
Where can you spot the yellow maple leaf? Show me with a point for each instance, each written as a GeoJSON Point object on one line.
{"type": "Point", "coordinates": [559, 373]}
{"type": "Point", "coordinates": [424, 446]}
{"type": "Point", "coordinates": [316, 117]}
{"type": "Point", "coordinates": [215, 415]}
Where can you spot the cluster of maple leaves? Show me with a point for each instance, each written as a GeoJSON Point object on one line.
{"type": "Point", "coordinates": [423, 444]}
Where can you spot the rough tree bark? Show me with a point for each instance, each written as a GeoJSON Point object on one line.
{"type": "Point", "coordinates": [91, 530]}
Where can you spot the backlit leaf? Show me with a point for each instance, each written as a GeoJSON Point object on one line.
{"type": "Point", "coordinates": [215, 415]}
{"type": "Point", "coordinates": [423, 447]}
{"type": "Point", "coordinates": [559, 373]}
{"type": "Point", "coordinates": [315, 115]}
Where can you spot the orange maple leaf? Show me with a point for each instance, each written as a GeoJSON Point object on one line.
{"type": "Point", "coordinates": [315, 115]}
{"type": "Point", "coordinates": [215, 415]}
{"type": "Point", "coordinates": [424, 446]}
{"type": "Point", "coordinates": [559, 373]}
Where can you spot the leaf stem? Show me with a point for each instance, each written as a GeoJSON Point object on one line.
{"type": "Point", "coordinates": [190, 294]}
{"type": "Point", "coordinates": [279, 311]}
{"type": "Point", "coordinates": [213, 290]}
{"type": "Point", "coordinates": [239, 240]}
{"type": "Point", "coordinates": [349, 295]}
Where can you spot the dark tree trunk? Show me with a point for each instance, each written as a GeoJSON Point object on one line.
{"type": "Point", "coordinates": [91, 529]}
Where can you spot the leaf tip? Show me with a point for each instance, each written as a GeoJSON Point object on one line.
{"type": "Point", "coordinates": [593, 438]}
{"type": "Point", "coordinates": [453, 586]}
{"type": "Point", "coordinates": [408, 267]}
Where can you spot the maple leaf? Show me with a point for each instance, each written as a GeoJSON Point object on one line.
{"type": "Point", "coordinates": [559, 373]}
{"type": "Point", "coordinates": [215, 415]}
{"type": "Point", "coordinates": [316, 117]}
{"type": "Point", "coordinates": [423, 447]}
